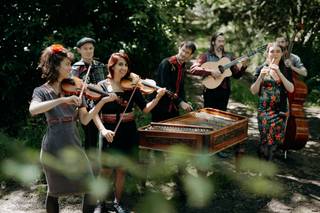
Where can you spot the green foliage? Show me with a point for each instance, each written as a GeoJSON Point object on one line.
{"type": "Point", "coordinates": [9, 148]}
{"type": "Point", "coordinates": [145, 29]}
{"type": "Point", "coordinates": [33, 131]}
{"type": "Point", "coordinates": [155, 203]}
{"type": "Point", "coordinates": [241, 93]}
{"type": "Point", "coordinates": [251, 23]}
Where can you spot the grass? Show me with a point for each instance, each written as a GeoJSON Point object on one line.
{"type": "Point", "coordinates": [241, 92]}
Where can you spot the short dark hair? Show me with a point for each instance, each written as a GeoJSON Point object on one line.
{"type": "Point", "coordinates": [190, 45]}
{"type": "Point", "coordinates": [85, 40]}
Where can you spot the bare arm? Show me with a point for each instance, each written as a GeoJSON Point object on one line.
{"type": "Point", "coordinates": [85, 116]}
{"type": "Point", "coordinates": [41, 107]}
{"type": "Point", "coordinates": [155, 101]}
{"type": "Point", "coordinates": [255, 87]}
{"type": "Point", "coordinates": [108, 134]}
{"type": "Point", "coordinates": [286, 83]}
{"type": "Point", "coordinates": [301, 70]}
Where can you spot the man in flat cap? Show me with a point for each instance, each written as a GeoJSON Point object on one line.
{"type": "Point", "coordinates": [98, 72]}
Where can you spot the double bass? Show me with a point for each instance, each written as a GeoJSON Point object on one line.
{"type": "Point", "coordinates": [297, 130]}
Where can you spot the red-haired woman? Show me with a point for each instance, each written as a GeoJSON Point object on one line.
{"type": "Point", "coordinates": [272, 86]}
{"type": "Point", "coordinates": [125, 140]}
{"type": "Point", "coordinates": [65, 174]}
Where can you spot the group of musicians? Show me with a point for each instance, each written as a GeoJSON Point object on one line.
{"type": "Point", "coordinates": [112, 116]}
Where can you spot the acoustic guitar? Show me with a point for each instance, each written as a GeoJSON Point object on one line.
{"type": "Point", "coordinates": [223, 65]}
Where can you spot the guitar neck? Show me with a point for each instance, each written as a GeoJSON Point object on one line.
{"type": "Point", "coordinates": [240, 59]}
{"type": "Point", "coordinates": [234, 62]}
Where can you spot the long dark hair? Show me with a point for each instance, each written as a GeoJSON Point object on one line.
{"type": "Point", "coordinates": [213, 39]}
{"type": "Point", "coordinates": [50, 61]}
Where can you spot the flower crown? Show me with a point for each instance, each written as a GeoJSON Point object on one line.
{"type": "Point", "coordinates": [57, 48]}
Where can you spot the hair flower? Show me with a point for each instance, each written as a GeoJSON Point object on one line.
{"type": "Point", "coordinates": [57, 48]}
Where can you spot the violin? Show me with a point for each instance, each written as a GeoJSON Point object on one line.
{"type": "Point", "coordinates": [74, 86]}
{"type": "Point", "coordinates": [146, 86]}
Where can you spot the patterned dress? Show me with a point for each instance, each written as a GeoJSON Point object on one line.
{"type": "Point", "coordinates": [65, 164]}
{"type": "Point", "coordinates": [271, 121]}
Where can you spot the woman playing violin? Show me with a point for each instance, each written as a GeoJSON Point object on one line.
{"type": "Point", "coordinates": [272, 86]}
{"type": "Point", "coordinates": [125, 139]}
{"type": "Point", "coordinates": [62, 113]}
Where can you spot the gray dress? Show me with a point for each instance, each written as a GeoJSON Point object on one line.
{"type": "Point", "coordinates": [65, 164]}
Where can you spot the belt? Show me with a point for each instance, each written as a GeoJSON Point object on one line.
{"type": "Point", "coordinates": [57, 120]}
{"type": "Point", "coordinates": [112, 118]}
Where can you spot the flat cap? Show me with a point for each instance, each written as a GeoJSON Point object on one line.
{"type": "Point", "coordinates": [85, 40]}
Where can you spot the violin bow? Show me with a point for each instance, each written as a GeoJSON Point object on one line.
{"type": "Point", "coordinates": [124, 111]}
{"type": "Point", "coordinates": [84, 82]}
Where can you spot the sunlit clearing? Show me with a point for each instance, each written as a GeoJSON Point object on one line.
{"type": "Point", "coordinates": [24, 173]}
{"type": "Point", "coordinates": [154, 203]}
{"type": "Point", "coordinates": [254, 165]}
{"type": "Point", "coordinates": [199, 190]}
{"type": "Point", "coordinates": [263, 186]}
{"type": "Point", "coordinates": [99, 187]}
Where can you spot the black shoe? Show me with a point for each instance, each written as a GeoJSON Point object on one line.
{"type": "Point", "coordinates": [103, 208]}
{"type": "Point", "coordinates": [119, 209]}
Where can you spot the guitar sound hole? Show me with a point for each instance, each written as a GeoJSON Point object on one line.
{"type": "Point", "coordinates": [221, 69]}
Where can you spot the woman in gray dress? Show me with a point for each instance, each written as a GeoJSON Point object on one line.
{"type": "Point", "coordinates": [65, 164]}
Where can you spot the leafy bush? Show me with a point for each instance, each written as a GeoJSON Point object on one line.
{"type": "Point", "coordinates": [9, 148]}
{"type": "Point", "coordinates": [147, 36]}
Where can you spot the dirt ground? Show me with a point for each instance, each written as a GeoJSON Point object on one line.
{"type": "Point", "coordinates": [299, 174]}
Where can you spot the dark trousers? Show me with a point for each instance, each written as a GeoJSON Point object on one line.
{"type": "Point", "coordinates": [91, 142]}
{"type": "Point", "coordinates": [159, 115]}
{"type": "Point", "coordinates": [217, 98]}
{"type": "Point", "coordinates": [91, 135]}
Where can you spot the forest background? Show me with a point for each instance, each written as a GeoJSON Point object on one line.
{"type": "Point", "coordinates": [148, 30]}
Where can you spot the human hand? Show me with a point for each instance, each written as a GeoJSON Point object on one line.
{"type": "Point", "coordinates": [265, 71]}
{"type": "Point", "coordinates": [193, 66]}
{"type": "Point", "coordinates": [245, 62]}
{"type": "Point", "coordinates": [288, 63]}
{"type": "Point", "coordinates": [72, 100]}
{"type": "Point", "coordinates": [108, 134]}
{"type": "Point", "coordinates": [161, 92]}
{"type": "Point", "coordinates": [112, 97]}
{"type": "Point", "coordinates": [185, 106]}
{"type": "Point", "coordinates": [274, 67]}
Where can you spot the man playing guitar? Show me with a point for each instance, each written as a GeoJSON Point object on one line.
{"type": "Point", "coordinates": [218, 97]}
